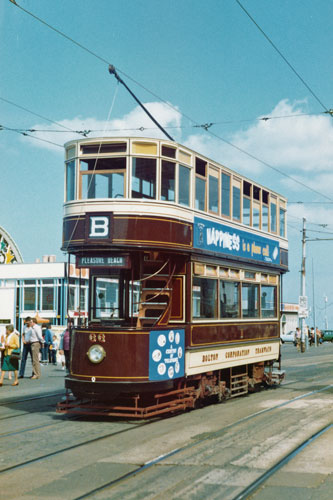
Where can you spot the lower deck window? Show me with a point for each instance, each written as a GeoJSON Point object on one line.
{"type": "Point", "coordinates": [229, 299]}
{"type": "Point", "coordinates": [268, 301]}
{"type": "Point", "coordinates": [250, 304]}
{"type": "Point", "coordinates": [204, 298]}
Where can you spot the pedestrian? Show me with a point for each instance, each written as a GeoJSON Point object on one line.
{"type": "Point", "coordinates": [10, 364]}
{"type": "Point", "coordinates": [33, 335]}
{"type": "Point", "coordinates": [312, 336]}
{"type": "Point", "coordinates": [319, 336]}
{"type": "Point", "coordinates": [64, 346]}
{"type": "Point", "coordinates": [53, 350]}
{"type": "Point", "coordinates": [25, 350]}
{"type": "Point", "coordinates": [47, 336]}
{"type": "Point", "coordinates": [298, 338]}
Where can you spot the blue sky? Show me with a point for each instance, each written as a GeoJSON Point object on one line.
{"type": "Point", "coordinates": [212, 64]}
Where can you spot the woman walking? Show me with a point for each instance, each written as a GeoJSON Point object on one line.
{"type": "Point", "coordinates": [12, 341]}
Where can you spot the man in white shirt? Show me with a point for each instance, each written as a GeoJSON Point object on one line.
{"type": "Point", "coordinates": [33, 336]}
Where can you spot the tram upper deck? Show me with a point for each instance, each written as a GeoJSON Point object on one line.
{"type": "Point", "coordinates": [112, 183]}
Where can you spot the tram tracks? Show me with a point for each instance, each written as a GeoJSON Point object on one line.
{"type": "Point", "coordinates": [160, 459]}
{"type": "Point", "coordinates": [149, 464]}
{"type": "Point", "coordinates": [253, 487]}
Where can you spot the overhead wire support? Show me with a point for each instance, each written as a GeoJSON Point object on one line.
{"type": "Point", "coordinates": [112, 71]}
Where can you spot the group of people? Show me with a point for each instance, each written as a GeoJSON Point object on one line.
{"type": "Point", "coordinates": [34, 341]}
{"type": "Point", "coordinates": [310, 334]}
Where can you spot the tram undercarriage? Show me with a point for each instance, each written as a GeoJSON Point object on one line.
{"type": "Point", "coordinates": [188, 393]}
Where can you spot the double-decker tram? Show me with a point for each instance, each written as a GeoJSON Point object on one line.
{"type": "Point", "coordinates": [185, 262]}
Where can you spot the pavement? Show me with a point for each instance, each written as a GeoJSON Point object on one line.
{"type": "Point", "coordinates": [51, 380]}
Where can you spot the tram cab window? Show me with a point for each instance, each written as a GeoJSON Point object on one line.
{"type": "Point", "coordinates": [250, 300]}
{"type": "Point", "coordinates": [144, 178]}
{"type": "Point", "coordinates": [273, 221]}
{"type": "Point", "coordinates": [264, 210]}
{"type": "Point", "coordinates": [229, 299]}
{"type": "Point", "coordinates": [204, 298]}
{"type": "Point", "coordinates": [168, 181]}
{"type": "Point", "coordinates": [268, 302]}
{"type": "Point", "coordinates": [106, 297]}
{"type": "Point", "coordinates": [184, 185]}
{"type": "Point", "coordinates": [114, 298]}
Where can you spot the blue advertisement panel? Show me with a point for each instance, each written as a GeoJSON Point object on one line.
{"type": "Point", "coordinates": [224, 239]}
{"type": "Point", "coordinates": [166, 354]}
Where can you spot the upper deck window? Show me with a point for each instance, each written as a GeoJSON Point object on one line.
{"type": "Point", "coordinates": [225, 194]}
{"type": "Point", "coordinates": [236, 200]}
{"type": "Point", "coordinates": [273, 221]}
{"type": "Point", "coordinates": [213, 202]}
{"type": "Point", "coordinates": [169, 152]}
{"type": "Point", "coordinates": [200, 184]}
{"type": "Point", "coordinates": [282, 222]}
{"type": "Point", "coordinates": [264, 210]}
{"type": "Point", "coordinates": [70, 180]}
{"type": "Point", "coordinates": [144, 178]}
{"type": "Point", "coordinates": [184, 185]}
{"type": "Point", "coordinates": [168, 181]}
{"type": "Point", "coordinates": [247, 187]}
{"type": "Point", "coordinates": [102, 178]}
{"type": "Point", "coordinates": [94, 149]}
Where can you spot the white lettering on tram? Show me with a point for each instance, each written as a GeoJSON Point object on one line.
{"type": "Point", "coordinates": [99, 226]}
{"type": "Point", "coordinates": [223, 239]}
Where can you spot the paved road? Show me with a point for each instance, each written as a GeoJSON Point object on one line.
{"type": "Point", "coordinates": [211, 453]}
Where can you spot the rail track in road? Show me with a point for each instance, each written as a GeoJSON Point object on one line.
{"type": "Point", "coordinates": [192, 445]}
{"type": "Point", "coordinates": [218, 439]}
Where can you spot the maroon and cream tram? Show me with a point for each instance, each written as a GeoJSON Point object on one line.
{"type": "Point", "coordinates": [185, 260]}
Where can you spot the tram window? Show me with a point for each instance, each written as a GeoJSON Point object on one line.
{"type": "Point", "coordinates": [268, 301]}
{"type": "Point", "coordinates": [256, 215]}
{"type": "Point", "coordinates": [107, 298]}
{"type": "Point", "coordinates": [102, 185]}
{"type": "Point", "coordinates": [200, 193]}
{"type": "Point", "coordinates": [200, 167]}
{"type": "Point", "coordinates": [204, 298]}
{"type": "Point", "coordinates": [213, 194]}
{"type": "Point", "coordinates": [265, 217]}
{"type": "Point", "coordinates": [93, 149]}
{"type": "Point", "coordinates": [256, 193]}
{"type": "Point", "coordinates": [70, 181]}
{"type": "Point", "coordinates": [168, 181]}
{"type": "Point", "coordinates": [282, 222]}
{"type": "Point", "coordinates": [273, 218]}
{"type": "Point", "coordinates": [229, 299]}
{"type": "Point", "coordinates": [236, 203]}
{"type": "Point", "coordinates": [47, 298]}
{"type": "Point", "coordinates": [184, 186]}
{"type": "Point", "coordinates": [226, 195]}
{"type": "Point", "coordinates": [97, 164]}
{"type": "Point", "coordinates": [246, 211]}
{"type": "Point", "coordinates": [144, 178]}
{"type": "Point", "coordinates": [169, 152]}
{"type": "Point", "coordinates": [250, 296]}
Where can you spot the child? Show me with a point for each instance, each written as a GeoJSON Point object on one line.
{"type": "Point", "coordinates": [53, 350]}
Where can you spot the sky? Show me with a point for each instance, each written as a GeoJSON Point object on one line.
{"type": "Point", "coordinates": [192, 63]}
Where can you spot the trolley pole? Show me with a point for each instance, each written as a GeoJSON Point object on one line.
{"type": "Point", "coordinates": [302, 319]}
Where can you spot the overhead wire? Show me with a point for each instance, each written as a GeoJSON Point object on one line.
{"type": "Point", "coordinates": [207, 126]}
{"type": "Point", "coordinates": [284, 58]}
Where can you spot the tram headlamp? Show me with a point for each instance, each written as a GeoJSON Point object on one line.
{"type": "Point", "coordinates": [96, 353]}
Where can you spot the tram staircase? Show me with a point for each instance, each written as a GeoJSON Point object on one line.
{"type": "Point", "coordinates": [156, 298]}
